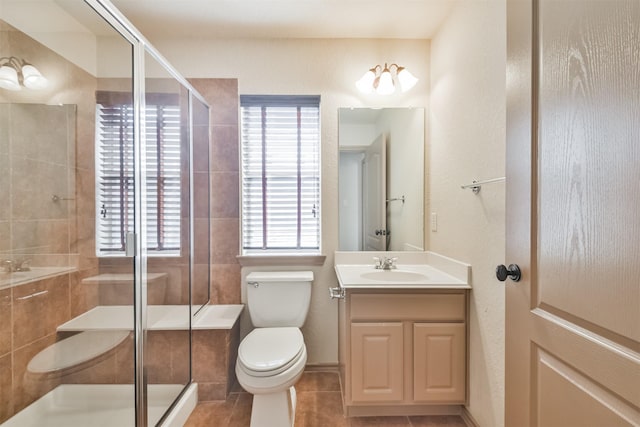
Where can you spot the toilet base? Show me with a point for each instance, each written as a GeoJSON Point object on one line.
{"type": "Point", "coordinates": [274, 409]}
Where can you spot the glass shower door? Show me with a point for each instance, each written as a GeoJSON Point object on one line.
{"type": "Point", "coordinates": [68, 215]}
{"type": "Point", "coordinates": [101, 194]}
{"type": "Point", "coordinates": [166, 242]}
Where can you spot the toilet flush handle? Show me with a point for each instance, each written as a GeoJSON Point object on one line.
{"type": "Point", "coordinates": [254, 284]}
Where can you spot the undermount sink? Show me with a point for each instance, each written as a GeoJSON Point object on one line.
{"type": "Point", "coordinates": [407, 276]}
{"type": "Point", "coordinates": [394, 276]}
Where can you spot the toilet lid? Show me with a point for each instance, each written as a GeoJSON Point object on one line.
{"type": "Point", "coordinates": [270, 349]}
{"type": "Point", "coordinates": [75, 350]}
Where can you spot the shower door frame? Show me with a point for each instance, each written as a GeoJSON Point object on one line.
{"type": "Point", "coordinates": [106, 10]}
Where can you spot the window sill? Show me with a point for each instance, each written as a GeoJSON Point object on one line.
{"type": "Point", "coordinates": [266, 260]}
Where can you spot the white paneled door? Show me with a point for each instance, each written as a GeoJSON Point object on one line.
{"type": "Point", "coordinates": [573, 213]}
{"type": "Point", "coordinates": [374, 185]}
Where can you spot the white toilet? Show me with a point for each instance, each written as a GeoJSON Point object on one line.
{"type": "Point", "coordinates": [271, 358]}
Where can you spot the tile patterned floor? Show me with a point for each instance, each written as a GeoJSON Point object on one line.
{"type": "Point", "coordinates": [319, 405]}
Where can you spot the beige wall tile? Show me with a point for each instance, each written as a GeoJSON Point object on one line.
{"type": "Point", "coordinates": [30, 313]}
{"type": "Point", "coordinates": [225, 241]}
{"type": "Point", "coordinates": [5, 238]}
{"type": "Point", "coordinates": [23, 396]}
{"type": "Point", "coordinates": [168, 357]}
{"type": "Point", "coordinates": [225, 195]}
{"type": "Point", "coordinates": [224, 148]}
{"type": "Point", "coordinates": [210, 356]}
{"type": "Point", "coordinates": [200, 283]}
{"type": "Point", "coordinates": [33, 183]}
{"type": "Point", "coordinates": [225, 284]}
{"type": "Point", "coordinates": [5, 322]}
{"type": "Point", "coordinates": [180, 356]}
{"type": "Point", "coordinates": [40, 132]}
{"type": "Point", "coordinates": [40, 236]}
{"type": "Point", "coordinates": [212, 391]}
{"type": "Point", "coordinates": [83, 296]}
{"type": "Point", "coordinates": [94, 372]}
{"type": "Point", "coordinates": [6, 388]}
{"type": "Point", "coordinates": [201, 194]}
{"type": "Point", "coordinates": [5, 117]}
{"type": "Point", "coordinates": [201, 148]}
{"type": "Point", "coordinates": [125, 362]}
{"type": "Point", "coordinates": [5, 187]}
{"type": "Point", "coordinates": [221, 94]}
{"type": "Point", "coordinates": [201, 241]}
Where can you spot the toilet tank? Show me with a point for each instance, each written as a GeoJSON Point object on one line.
{"type": "Point", "coordinates": [278, 298]}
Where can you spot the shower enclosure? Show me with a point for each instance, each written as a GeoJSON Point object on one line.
{"type": "Point", "coordinates": [104, 238]}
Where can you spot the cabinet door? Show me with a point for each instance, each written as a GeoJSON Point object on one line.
{"type": "Point", "coordinates": [439, 362]}
{"type": "Point", "coordinates": [376, 362]}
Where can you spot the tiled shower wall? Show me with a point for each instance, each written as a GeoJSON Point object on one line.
{"type": "Point", "coordinates": [222, 97]}
{"type": "Point", "coordinates": [215, 351]}
{"type": "Point", "coordinates": [28, 325]}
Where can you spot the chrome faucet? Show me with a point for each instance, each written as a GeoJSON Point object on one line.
{"type": "Point", "coordinates": [385, 263]}
{"type": "Point", "coordinates": [7, 265]}
{"type": "Point", "coordinates": [12, 266]}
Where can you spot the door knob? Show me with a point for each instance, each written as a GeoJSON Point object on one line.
{"type": "Point", "coordinates": [512, 271]}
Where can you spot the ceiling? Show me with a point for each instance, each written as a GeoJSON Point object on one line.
{"type": "Point", "coordinates": [409, 19]}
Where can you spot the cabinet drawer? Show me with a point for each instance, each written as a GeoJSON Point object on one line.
{"type": "Point", "coordinates": [421, 307]}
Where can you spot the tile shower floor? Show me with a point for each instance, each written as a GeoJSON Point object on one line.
{"type": "Point", "coordinates": [319, 405]}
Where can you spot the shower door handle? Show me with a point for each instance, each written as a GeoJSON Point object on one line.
{"type": "Point", "coordinates": [130, 245]}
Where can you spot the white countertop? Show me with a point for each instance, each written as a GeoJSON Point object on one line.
{"type": "Point", "coordinates": [351, 276]}
{"type": "Point", "coordinates": [413, 270]}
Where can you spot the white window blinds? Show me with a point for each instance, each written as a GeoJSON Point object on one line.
{"type": "Point", "coordinates": [280, 173]}
{"type": "Point", "coordinates": [115, 175]}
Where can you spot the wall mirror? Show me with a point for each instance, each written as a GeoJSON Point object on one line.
{"type": "Point", "coordinates": [381, 179]}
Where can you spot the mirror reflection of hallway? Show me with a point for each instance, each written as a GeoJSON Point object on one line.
{"type": "Point", "coordinates": [381, 190]}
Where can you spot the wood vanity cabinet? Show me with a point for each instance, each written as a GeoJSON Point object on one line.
{"type": "Point", "coordinates": [403, 352]}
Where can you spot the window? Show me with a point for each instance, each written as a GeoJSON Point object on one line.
{"type": "Point", "coordinates": [115, 178]}
{"type": "Point", "coordinates": [280, 174]}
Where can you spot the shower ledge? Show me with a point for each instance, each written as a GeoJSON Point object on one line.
{"type": "Point", "coordinates": [159, 318]}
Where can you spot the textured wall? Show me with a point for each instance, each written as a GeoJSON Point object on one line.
{"type": "Point", "coordinates": [468, 142]}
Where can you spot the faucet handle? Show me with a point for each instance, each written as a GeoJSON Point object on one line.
{"type": "Point", "coordinates": [377, 262]}
{"type": "Point", "coordinates": [7, 265]}
{"type": "Point", "coordinates": [24, 264]}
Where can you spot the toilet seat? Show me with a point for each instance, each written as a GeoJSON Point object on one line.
{"type": "Point", "coordinates": [75, 351]}
{"type": "Point", "coordinates": [266, 352]}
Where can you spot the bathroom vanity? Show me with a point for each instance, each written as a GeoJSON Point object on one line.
{"type": "Point", "coordinates": [403, 334]}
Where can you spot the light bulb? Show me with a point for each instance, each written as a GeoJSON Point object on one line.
{"type": "Point", "coordinates": [365, 84]}
{"type": "Point", "coordinates": [406, 79]}
{"type": "Point", "coordinates": [32, 78]}
{"type": "Point", "coordinates": [385, 85]}
{"type": "Point", "coordinates": [9, 78]}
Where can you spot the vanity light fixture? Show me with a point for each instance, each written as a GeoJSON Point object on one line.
{"type": "Point", "coordinates": [15, 73]}
{"type": "Point", "coordinates": [383, 80]}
